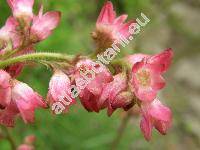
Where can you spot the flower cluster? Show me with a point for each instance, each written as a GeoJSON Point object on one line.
{"type": "Point", "coordinates": [134, 80]}
{"type": "Point", "coordinates": [24, 29]}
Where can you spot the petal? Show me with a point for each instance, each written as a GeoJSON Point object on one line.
{"type": "Point", "coordinates": [21, 7]}
{"type": "Point", "coordinates": [107, 14]}
{"type": "Point", "coordinates": [123, 100]}
{"type": "Point", "coordinates": [137, 66]}
{"type": "Point", "coordinates": [26, 100]}
{"type": "Point", "coordinates": [146, 127]}
{"type": "Point", "coordinates": [120, 20]}
{"type": "Point", "coordinates": [162, 126]}
{"type": "Point", "coordinates": [157, 81]}
{"type": "Point", "coordinates": [160, 115]}
{"type": "Point", "coordinates": [59, 85]}
{"type": "Point", "coordinates": [146, 94]}
{"type": "Point", "coordinates": [112, 89]}
{"type": "Point", "coordinates": [60, 90]}
{"type": "Point", "coordinates": [5, 89]}
{"type": "Point", "coordinates": [161, 62]}
{"type": "Point", "coordinates": [42, 26]}
{"type": "Point", "coordinates": [89, 101]}
{"type": "Point", "coordinates": [160, 112]}
{"type": "Point", "coordinates": [7, 116]}
{"type": "Point", "coordinates": [84, 98]}
{"type": "Point", "coordinates": [8, 33]}
{"type": "Point", "coordinates": [132, 59]}
{"type": "Point", "coordinates": [124, 29]}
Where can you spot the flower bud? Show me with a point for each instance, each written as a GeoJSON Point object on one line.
{"type": "Point", "coordinates": [60, 90]}
{"type": "Point", "coordinates": [110, 29]}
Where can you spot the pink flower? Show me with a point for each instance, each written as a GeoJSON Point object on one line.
{"type": "Point", "coordinates": [25, 147]}
{"type": "Point", "coordinates": [112, 96]}
{"type": "Point", "coordinates": [155, 115]}
{"type": "Point", "coordinates": [24, 101]}
{"type": "Point", "coordinates": [109, 28]}
{"type": "Point", "coordinates": [9, 36]}
{"type": "Point", "coordinates": [22, 8]}
{"type": "Point", "coordinates": [43, 25]}
{"type": "Point", "coordinates": [5, 89]}
{"type": "Point", "coordinates": [147, 74]}
{"type": "Point", "coordinates": [60, 90]}
{"type": "Point", "coordinates": [90, 79]}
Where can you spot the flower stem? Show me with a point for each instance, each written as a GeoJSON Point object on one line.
{"type": "Point", "coordinates": [120, 131]}
{"type": "Point", "coordinates": [35, 57]}
{"type": "Point", "coordinates": [9, 138]}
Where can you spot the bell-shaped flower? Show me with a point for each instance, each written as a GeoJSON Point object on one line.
{"type": "Point", "coordinates": [112, 95]}
{"type": "Point", "coordinates": [90, 79]}
{"type": "Point", "coordinates": [147, 74]}
{"type": "Point", "coordinates": [5, 89]}
{"type": "Point", "coordinates": [155, 115]}
{"type": "Point", "coordinates": [24, 101]}
{"type": "Point", "coordinates": [60, 90]}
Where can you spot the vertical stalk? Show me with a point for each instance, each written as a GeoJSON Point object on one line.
{"type": "Point", "coordinates": [120, 131]}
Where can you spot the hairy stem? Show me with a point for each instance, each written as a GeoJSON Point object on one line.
{"type": "Point", "coordinates": [37, 57]}
{"type": "Point", "coordinates": [120, 131]}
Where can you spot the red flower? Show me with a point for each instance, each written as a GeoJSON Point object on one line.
{"type": "Point", "coordinates": [9, 37]}
{"type": "Point", "coordinates": [59, 90]}
{"type": "Point", "coordinates": [24, 101]}
{"type": "Point", "coordinates": [147, 74]}
{"type": "Point", "coordinates": [109, 27]}
{"type": "Point", "coordinates": [90, 78]}
{"type": "Point", "coordinates": [155, 115]}
{"type": "Point", "coordinates": [112, 95]}
{"type": "Point", "coordinates": [5, 89]}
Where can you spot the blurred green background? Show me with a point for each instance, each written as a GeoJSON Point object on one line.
{"type": "Point", "coordinates": [174, 23]}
